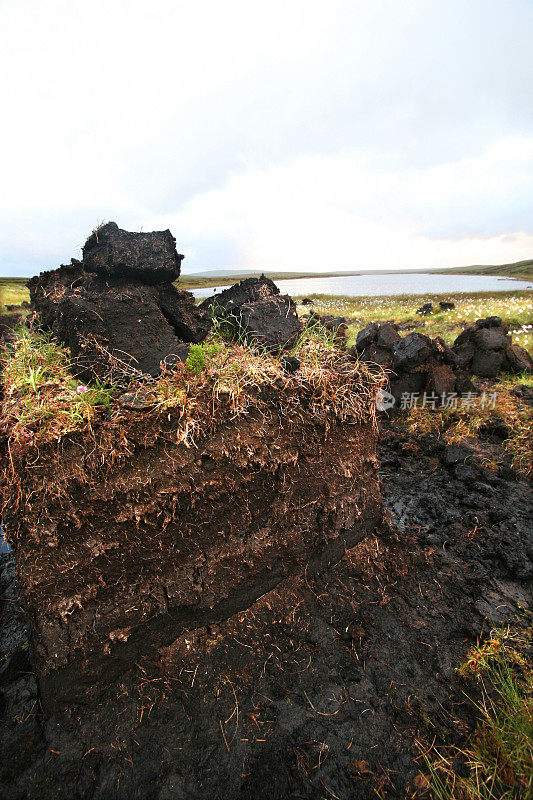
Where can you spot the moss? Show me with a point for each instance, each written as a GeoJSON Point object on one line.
{"type": "Point", "coordinates": [199, 354]}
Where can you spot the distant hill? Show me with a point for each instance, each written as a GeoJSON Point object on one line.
{"type": "Point", "coordinates": [222, 273]}
{"type": "Point", "coordinates": [520, 269]}
{"type": "Point", "coordinates": [199, 280]}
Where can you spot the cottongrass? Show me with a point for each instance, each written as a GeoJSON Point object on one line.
{"type": "Point", "coordinates": [514, 307]}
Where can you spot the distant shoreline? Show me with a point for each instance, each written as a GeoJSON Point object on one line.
{"type": "Point", "coordinates": [201, 282]}
{"type": "Point", "coordinates": [521, 270]}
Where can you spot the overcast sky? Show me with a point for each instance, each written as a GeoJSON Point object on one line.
{"type": "Point", "coordinates": [281, 134]}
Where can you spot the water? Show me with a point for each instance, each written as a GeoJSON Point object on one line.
{"type": "Point", "coordinates": [371, 285]}
{"type": "Point", "coordinates": [4, 546]}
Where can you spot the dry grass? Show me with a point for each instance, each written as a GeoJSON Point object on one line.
{"type": "Point", "coordinates": [463, 423]}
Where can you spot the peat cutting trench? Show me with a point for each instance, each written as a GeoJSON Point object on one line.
{"type": "Point", "coordinates": [322, 686]}
{"type": "Point", "coordinates": [232, 582]}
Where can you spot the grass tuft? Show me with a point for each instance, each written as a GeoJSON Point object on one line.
{"type": "Point", "coordinates": [199, 354]}
{"type": "Point", "coordinates": [40, 392]}
{"type": "Point", "coordinates": [497, 762]}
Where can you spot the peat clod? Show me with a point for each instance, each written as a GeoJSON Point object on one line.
{"type": "Point", "coordinates": [271, 322]}
{"type": "Point", "coordinates": [517, 359]}
{"type": "Point", "coordinates": [117, 310]}
{"type": "Point", "coordinates": [228, 302]}
{"type": "Point", "coordinates": [415, 363]}
{"type": "Point", "coordinates": [256, 312]}
{"type": "Point", "coordinates": [486, 348]}
{"type": "Point", "coordinates": [426, 309]}
{"type": "Point", "coordinates": [147, 257]}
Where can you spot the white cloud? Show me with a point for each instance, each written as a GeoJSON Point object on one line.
{"type": "Point", "coordinates": [323, 212]}
{"type": "Point", "coordinates": [260, 128]}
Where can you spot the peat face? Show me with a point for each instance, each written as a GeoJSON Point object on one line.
{"type": "Point", "coordinates": [155, 538]}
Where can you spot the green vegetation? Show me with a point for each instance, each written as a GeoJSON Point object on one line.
{"type": "Point", "coordinates": [199, 353]}
{"type": "Point", "coordinates": [497, 761]}
{"type": "Point", "coordinates": [40, 390]}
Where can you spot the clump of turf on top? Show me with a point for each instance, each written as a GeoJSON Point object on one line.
{"type": "Point", "coordinates": [43, 401]}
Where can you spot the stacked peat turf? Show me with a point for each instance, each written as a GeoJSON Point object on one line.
{"type": "Point", "coordinates": [416, 363]}
{"type": "Point", "coordinates": [486, 348]}
{"type": "Point", "coordinates": [117, 310]}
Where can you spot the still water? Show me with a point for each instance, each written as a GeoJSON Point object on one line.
{"type": "Point", "coordinates": [398, 283]}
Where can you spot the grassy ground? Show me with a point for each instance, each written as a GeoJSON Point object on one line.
{"type": "Point", "coordinates": [497, 761]}
{"type": "Point", "coordinates": [515, 308]}
{"type": "Point", "coordinates": [13, 291]}
{"type": "Point", "coordinates": [43, 401]}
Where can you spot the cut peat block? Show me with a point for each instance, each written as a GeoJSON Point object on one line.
{"type": "Point", "coordinates": [161, 516]}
